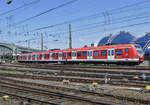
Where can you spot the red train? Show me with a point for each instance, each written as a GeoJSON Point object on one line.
{"type": "Point", "coordinates": [120, 54]}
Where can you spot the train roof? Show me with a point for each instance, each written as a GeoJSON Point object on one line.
{"type": "Point", "coordinates": [82, 49]}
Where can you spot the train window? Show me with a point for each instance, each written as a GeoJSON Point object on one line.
{"type": "Point", "coordinates": [119, 52]}
{"type": "Point", "coordinates": [46, 55]}
{"type": "Point", "coordinates": [96, 53]}
{"type": "Point", "coordinates": [103, 53]}
{"type": "Point", "coordinates": [73, 54]}
{"type": "Point", "coordinates": [126, 50]}
{"type": "Point", "coordinates": [33, 56]}
{"type": "Point", "coordinates": [112, 52]}
{"type": "Point", "coordinates": [64, 54]}
{"type": "Point", "coordinates": [137, 46]}
{"type": "Point", "coordinates": [69, 54]}
{"type": "Point", "coordinates": [84, 53]}
{"type": "Point", "coordinates": [78, 54]}
{"type": "Point", "coordinates": [108, 52]}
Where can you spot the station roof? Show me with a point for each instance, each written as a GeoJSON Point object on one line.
{"type": "Point", "coordinates": [125, 38]}
{"type": "Point", "coordinates": [122, 38]}
{"type": "Point", "coordinates": [104, 40]}
{"type": "Point", "coordinates": [11, 49]}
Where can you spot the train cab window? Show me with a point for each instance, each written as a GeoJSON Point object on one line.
{"type": "Point", "coordinates": [73, 54]}
{"type": "Point", "coordinates": [78, 54]}
{"type": "Point", "coordinates": [126, 50]}
{"type": "Point", "coordinates": [119, 52]}
{"type": "Point", "coordinates": [103, 53]}
{"type": "Point", "coordinates": [69, 54]}
{"type": "Point", "coordinates": [64, 54]}
{"type": "Point", "coordinates": [84, 53]}
{"type": "Point", "coordinates": [96, 53]}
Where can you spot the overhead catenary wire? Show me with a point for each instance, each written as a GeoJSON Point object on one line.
{"type": "Point", "coordinates": [91, 16]}
{"type": "Point", "coordinates": [45, 12]}
{"type": "Point", "coordinates": [86, 17]}
{"type": "Point", "coordinates": [118, 20]}
{"type": "Point", "coordinates": [75, 31]}
{"type": "Point", "coordinates": [125, 26]}
{"type": "Point", "coordinates": [20, 7]}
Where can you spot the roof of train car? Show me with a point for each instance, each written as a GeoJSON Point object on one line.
{"type": "Point", "coordinates": [82, 49]}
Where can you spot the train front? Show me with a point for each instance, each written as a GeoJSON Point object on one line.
{"type": "Point", "coordinates": [140, 53]}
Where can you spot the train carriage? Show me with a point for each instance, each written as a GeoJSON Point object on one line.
{"type": "Point", "coordinates": [123, 53]}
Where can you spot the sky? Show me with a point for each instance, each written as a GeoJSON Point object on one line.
{"type": "Point", "coordinates": [91, 20]}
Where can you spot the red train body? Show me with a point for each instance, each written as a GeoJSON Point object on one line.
{"type": "Point", "coordinates": [123, 53]}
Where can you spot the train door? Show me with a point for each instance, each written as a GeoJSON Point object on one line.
{"type": "Point", "coordinates": [42, 57]}
{"type": "Point", "coordinates": [89, 55]}
{"type": "Point", "coordinates": [60, 56]}
{"type": "Point", "coordinates": [110, 54]}
{"type": "Point", "coordinates": [74, 55]}
{"type": "Point", "coordinates": [50, 56]}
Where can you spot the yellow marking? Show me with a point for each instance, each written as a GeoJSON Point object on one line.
{"type": "Point", "coordinates": [95, 83]}
{"type": "Point", "coordinates": [6, 96]}
{"type": "Point", "coordinates": [147, 87]}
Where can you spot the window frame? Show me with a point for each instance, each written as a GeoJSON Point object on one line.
{"type": "Point", "coordinates": [84, 53]}
{"type": "Point", "coordinates": [118, 51]}
{"type": "Point", "coordinates": [103, 52]}
{"type": "Point", "coordinates": [69, 54]}
{"type": "Point", "coordinates": [79, 54]}
{"type": "Point", "coordinates": [95, 53]}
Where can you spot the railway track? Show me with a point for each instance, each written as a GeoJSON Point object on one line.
{"type": "Point", "coordinates": [53, 97]}
{"type": "Point", "coordinates": [116, 77]}
{"type": "Point", "coordinates": [77, 66]}
{"type": "Point", "coordinates": [131, 83]}
{"type": "Point", "coordinates": [71, 95]}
